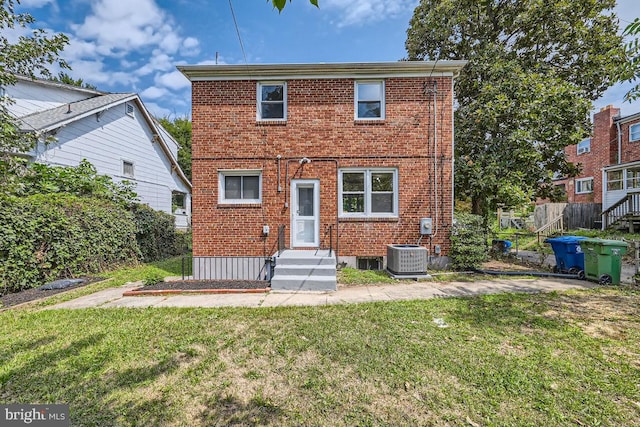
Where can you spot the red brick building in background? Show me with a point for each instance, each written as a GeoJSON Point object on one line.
{"type": "Point", "coordinates": [355, 153]}
{"type": "Point", "coordinates": [610, 161]}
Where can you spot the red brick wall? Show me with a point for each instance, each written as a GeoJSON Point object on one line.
{"type": "Point", "coordinates": [630, 150]}
{"type": "Point", "coordinates": [320, 125]}
{"type": "Point", "coordinates": [603, 153]}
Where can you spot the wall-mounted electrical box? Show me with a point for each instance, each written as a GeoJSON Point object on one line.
{"type": "Point", "coordinates": [426, 226]}
{"type": "Point", "coordinates": [265, 230]}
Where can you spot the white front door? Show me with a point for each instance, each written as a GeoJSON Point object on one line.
{"type": "Point", "coordinates": [305, 213]}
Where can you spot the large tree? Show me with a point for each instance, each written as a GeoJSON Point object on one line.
{"type": "Point", "coordinates": [29, 55]}
{"type": "Point", "coordinates": [534, 68]}
{"type": "Point", "coordinates": [631, 71]}
{"type": "Point", "coordinates": [180, 129]}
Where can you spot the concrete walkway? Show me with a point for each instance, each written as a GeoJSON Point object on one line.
{"type": "Point", "coordinates": [111, 298]}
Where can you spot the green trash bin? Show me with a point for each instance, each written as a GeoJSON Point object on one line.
{"type": "Point", "coordinates": [603, 260]}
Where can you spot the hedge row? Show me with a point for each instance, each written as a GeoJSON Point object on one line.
{"type": "Point", "coordinates": [48, 237]}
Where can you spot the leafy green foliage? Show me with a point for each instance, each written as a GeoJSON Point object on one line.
{"type": "Point", "coordinates": [180, 130]}
{"type": "Point", "coordinates": [28, 56]}
{"type": "Point", "coordinates": [155, 233]}
{"type": "Point", "coordinates": [631, 70]}
{"type": "Point", "coordinates": [52, 236]}
{"type": "Point", "coordinates": [65, 78]}
{"type": "Point", "coordinates": [468, 242]}
{"type": "Point", "coordinates": [152, 278]}
{"type": "Point", "coordinates": [534, 68]}
{"type": "Point", "coordinates": [280, 4]}
{"type": "Point", "coordinates": [82, 180]}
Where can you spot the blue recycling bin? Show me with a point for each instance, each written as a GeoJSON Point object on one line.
{"type": "Point", "coordinates": [569, 255]}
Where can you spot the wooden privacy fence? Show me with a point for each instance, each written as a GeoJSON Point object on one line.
{"type": "Point", "coordinates": [574, 215]}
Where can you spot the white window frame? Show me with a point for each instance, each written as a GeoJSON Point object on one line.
{"type": "Point", "coordinates": [630, 180]}
{"type": "Point", "coordinates": [129, 109]}
{"type": "Point", "coordinates": [356, 99]}
{"type": "Point", "coordinates": [259, 101]}
{"type": "Point", "coordinates": [584, 146]}
{"type": "Point", "coordinates": [579, 182]}
{"type": "Point", "coordinates": [367, 193]}
{"type": "Point", "coordinates": [124, 169]}
{"type": "Point", "coordinates": [621, 181]}
{"type": "Point", "coordinates": [222, 174]}
{"type": "Point", "coordinates": [634, 132]}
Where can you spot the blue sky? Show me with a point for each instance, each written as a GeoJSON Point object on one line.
{"type": "Point", "coordinates": [134, 45]}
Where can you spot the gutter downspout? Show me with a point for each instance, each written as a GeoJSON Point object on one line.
{"type": "Point", "coordinates": [619, 143]}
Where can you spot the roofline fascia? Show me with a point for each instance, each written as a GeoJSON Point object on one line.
{"type": "Point", "coordinates": [157, 136]}
{"type": "Point", "coordinates": [60, 85]}
{"type": "Point", "coordinates": [83, 115]}
{"type": "Point", "coordinates": [323, 70]}
{"type": "Point", "coordinates": [626, 119]}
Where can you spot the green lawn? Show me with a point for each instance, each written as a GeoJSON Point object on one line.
{"type": "Point", "coordinates": [540, 360]}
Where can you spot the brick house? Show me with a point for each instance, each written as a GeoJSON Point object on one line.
{"type": "Point", "coordinates": [610, 161]}
{"type": "Point", "coordinates": [349, 155]}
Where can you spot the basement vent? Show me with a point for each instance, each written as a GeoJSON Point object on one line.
{"type": "Point", "coordinates": [369, 263]}
{"type": "Point", "coordinates": [406, 259]}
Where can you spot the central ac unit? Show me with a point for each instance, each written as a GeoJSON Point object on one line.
{"type": "Point", "coordinates": [406, 259]}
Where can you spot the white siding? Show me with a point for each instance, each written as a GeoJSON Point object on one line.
{"type": "Point", "coordinates": [32, 97]}
{"type": "Point", "coordinates": [171, 143]}
{"type": "Point", "coordinates": [107, 142]}
{"type": "Point", "coordinates": [611, 197]}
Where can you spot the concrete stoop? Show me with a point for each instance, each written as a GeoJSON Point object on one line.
{"type": "Point", "coordinates": [308, 270]}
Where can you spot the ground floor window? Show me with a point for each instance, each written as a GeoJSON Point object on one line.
{"type": "Point", "coordinates": [240, 186]}
{"type": "Point", "coordinates": [633, 178]}
{"type": "Point", "coordinates": [584, 185]}
{"type": "Point", "coordinates": [178, 202]}
{"type": "Point", "coordinates": [368, 192]}
{"type": "Point", "coordinates": [369, 263]}
{"type": "Point", "coordinates": [615, 180]}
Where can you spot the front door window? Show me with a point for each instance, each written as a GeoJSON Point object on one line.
{"type": "Point", "coordinates": [305, 213]}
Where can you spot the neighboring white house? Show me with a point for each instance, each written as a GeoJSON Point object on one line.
{"type": "Point", "coordinates": [113, 131]}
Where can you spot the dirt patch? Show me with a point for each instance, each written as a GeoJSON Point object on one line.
{"type": "Point", "coordinates": [28, 295]}
{"type": "Point", "coordinates": [508, 264]}
{"type": "Point", "coordinates": [199, 285]}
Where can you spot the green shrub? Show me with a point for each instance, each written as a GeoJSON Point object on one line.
{"type": "Point", "coordinates": [468, 242]}
{"type": "Point", "coordinates": [153, 278]}
{"type": "Point", "coordinates": [48, 237]}
{"type": "Point", "coordinates": [156, 233]}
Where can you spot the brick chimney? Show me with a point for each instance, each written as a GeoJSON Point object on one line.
{"type": "Point", "coordinates": [604, 134]}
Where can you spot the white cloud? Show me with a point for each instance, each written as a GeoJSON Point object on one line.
{"type": "Point", "coordinates": [94, 72]}
{"type": "Point", "coordinates": [154, 92]}
{"type": "Point", "coordinates": [159, 61]}
{"type": "Point", "coordinates": [157, 110]}
{"type": "Point", "coordinates": [174, 80]}
{"type": "Point", "coordinates": [125, 25]}
{"type": "Point", "coordinates": [358, 12]}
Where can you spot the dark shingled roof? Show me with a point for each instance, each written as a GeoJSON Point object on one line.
{"type": "Point", "coordinates": [49, 119]}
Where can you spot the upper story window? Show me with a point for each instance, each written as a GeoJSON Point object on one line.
{"type": "Point", "coordinates": [584, 146]}
{"type": "Point", "coordinates": [634, 132]}
{"type": "Point", "coordinates": [127, 169]}
{"type": "Point", "coordinates": [369, 100]}
{"type": "Point", "coordinates": [240, 186]}
{"type": "Point", "coordinates": [584, 185]}
{"type": "Point", "coordinates": [272, 101]}
{"type": "Point", "coordinates": [368, 193]}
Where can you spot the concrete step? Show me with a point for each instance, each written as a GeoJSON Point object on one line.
{"type": "Point", "coordinates": [305, 258]}
{"type": "Point", "coordinates": [304, 270]}
{"type": "Point", "coordinates": [304, 283]}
